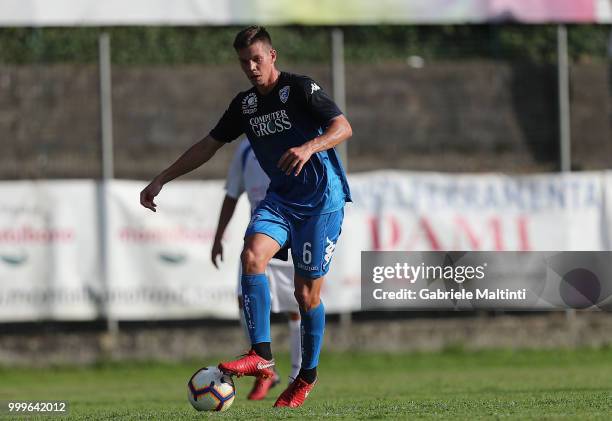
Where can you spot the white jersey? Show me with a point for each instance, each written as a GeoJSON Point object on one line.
{"type": "Point", "coordinates": [245, 175]}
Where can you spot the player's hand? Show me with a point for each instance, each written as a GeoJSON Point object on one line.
{"type": "Point", "coordinates": [148, 194]}
{"type": "Point", "coordinates": [217, 250]}
{"type": "Point", "coordinates": [294, 159]}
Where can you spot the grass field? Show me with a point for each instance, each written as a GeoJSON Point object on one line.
{"type": "Point", "coordinates": [455, 384]}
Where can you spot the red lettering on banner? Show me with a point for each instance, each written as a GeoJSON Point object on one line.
{"type": "Point", "coordinates": [28, 234]}
{"type": "Point", "coordinates": [424, 227]}
{"type": "Point", "coordinates": [376, 231]}
{"type": "Point", "coordinates": [387, 233]}
{"type": "Point", "coordinates": [497, 233]}
{"type": "Point", "coordinates": [523, 234]}
{"type": "Point", "coordinates": [474, 241]}
{"type": "Point", "coordinates": [464, 226]}
{"type": "Point", "coordinates": [174, 234]}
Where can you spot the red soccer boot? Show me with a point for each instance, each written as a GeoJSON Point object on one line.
{"type": "Point", "coordinates": [295, 394]}
{"type": "Point", "coordinates": [262, 386]}
{"type": "Point", "coordinates": [250, 364]}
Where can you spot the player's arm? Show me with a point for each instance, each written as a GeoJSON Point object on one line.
{"type": "Point", "coordinates": [225, 216]}
{"type": "Point", "coordinates": [195, 156]}
{"type": "Point", "coordinates": [234, 187]}
{"type": "Point", "coordinates": [337, 131]}
{"type": "Point", "coordinates": [227, 129]}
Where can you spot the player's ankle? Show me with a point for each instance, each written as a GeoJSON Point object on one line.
{"type": "Point", "coordinates": [263, 349]}
{"type": "Point", "coordinates": [309, 375]}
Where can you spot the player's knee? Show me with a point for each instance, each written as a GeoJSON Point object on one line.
{"type": "Point", "coordinates": [306, 299]}
{"type": "Point", "coordinates": [252, 262]}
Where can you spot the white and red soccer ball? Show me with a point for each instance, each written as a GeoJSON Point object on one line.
{"type": "Point", "coordinates": [209, 389]}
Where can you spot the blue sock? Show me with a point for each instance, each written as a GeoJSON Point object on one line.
{"type": "Point", "coordinates": [313, 326]}
{"type": "Point", "coordinates": [256, 296]}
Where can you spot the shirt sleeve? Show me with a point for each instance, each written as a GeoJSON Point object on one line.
{"type": "Point", "coordinates": [230, 126]}
{"type": "Point", "coordinates": [318, 103]}
{"type": "Point", "coordinates": [234, 184]}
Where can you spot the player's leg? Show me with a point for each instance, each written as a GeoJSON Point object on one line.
{"type": "Point", "coordinates": [257, 252]}
{"type": "Point", "coordinates": [241, 304]}
{"type": "Point", "coordinates": [312, 312]}
{"type": "Point", "coordinates": [261, 385]}
{"type": "Point", "coordinates": [241, 315]}
{"type": "Point", "coordinates": [264, 237]}
{"type": "Point", "coordinates": [280, 275]}
{"type": "Point", "coordinates": [313, 244]}
{"type": "Point", "coordinates": [280, 280]}
{"type": "Point", "coordinates": [276, 272]}
{"type": "Point", "coordinates": [295, 343]}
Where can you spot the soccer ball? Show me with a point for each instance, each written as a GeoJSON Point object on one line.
{"type": "Point", "coordinates": [211, 390]}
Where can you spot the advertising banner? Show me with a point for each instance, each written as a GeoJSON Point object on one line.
{"type": "Point", "coordinates": [283, 12]}
{"type": "Point", "coordinates": [49, 255]}
{"type": "Point", "coordinates": [158, 264]}
{"type": "Point", "coordinates": [429, 211]}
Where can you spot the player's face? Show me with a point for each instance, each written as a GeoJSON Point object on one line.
{"type": "Point", "coordinates": [257, 62]}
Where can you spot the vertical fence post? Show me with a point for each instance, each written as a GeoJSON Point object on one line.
{"type": "Point", "coordinates": [106, 125]}
{"type": "Point", "coordinates": [339, 94]}
{"type": "Point", "coordinates": [339, 81]}
{"type": "Point", "coordinates": [565, 145]}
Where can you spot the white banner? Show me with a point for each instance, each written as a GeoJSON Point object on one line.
{"type": "Point", "coordinates": [288, 12]}
{"type": "Point", "coordinates": [405, 211]}
{"type": "Point", "coordinates": [159, 263]}
{"type": "Point", "coordinates": [49, 261]}
{"type": "Point", "coordinates": [489, 212]}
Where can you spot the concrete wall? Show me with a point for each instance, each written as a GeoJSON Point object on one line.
{"type": "Point", "coordinates": [453, 116]}
{"type": "Point", "coordinates": [545, 330]}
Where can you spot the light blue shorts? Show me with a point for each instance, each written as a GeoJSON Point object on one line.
{"type": "Point", "coordinates": [312, 238]}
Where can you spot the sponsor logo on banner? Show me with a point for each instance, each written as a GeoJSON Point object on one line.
{"type": "Point", "coordinates": [49, 265]}
{"type": "Point", "coordinates": [14, 259]}
{"type": "Point", "coordinates": [485, 212]}
{"type": "Point", "coordinates": [28, 234]}
{"type": "Point", "coordinates": [496, 232]}
{"type": "Point", "coordinates": [172, 258]}
{"type": "Point", "coordinates": [165, 235]}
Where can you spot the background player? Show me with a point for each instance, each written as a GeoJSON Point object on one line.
{"type": "Point", "coordinates": [245, 175]}
{"type": "Point", "coordinates": [293, 127]}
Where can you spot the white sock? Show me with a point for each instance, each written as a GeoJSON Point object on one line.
{"type": "Point", "coordinates": [295, 338]}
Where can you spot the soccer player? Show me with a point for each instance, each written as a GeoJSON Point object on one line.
{"type": "Point", "coordinates": [245, 175]}
{"type": "Point", "coordinates": [293, 127]}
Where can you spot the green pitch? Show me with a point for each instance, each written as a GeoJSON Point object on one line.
{"type": "Point", "coordinates": [556, 384]}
